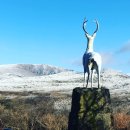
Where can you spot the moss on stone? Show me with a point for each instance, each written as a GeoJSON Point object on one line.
{"type": "Point", "coordinates": [101, 102]}
{"type": "Point", "coordinates": [92, 110]}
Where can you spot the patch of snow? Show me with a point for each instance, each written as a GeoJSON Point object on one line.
{"type": "Point", "coordinates": [21, 78]}
{"type": "Point", "coordinates": [29, 70]}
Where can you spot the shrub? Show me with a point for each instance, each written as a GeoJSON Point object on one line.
{"type": "Point", "coordinates": [121, 121]}
{"type": "Point", "coordinates": [32, 114]}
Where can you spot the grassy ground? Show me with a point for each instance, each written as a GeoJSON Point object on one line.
{"type": "Point", "coordinates": [49, 111]}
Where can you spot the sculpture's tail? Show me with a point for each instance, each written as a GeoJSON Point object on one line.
{"type": "Point", "coordinates": [92, 63]}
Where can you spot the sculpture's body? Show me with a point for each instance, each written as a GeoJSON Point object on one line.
{"type": "Point", "coordinates": [91, 60]}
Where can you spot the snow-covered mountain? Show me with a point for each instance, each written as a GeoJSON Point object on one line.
{"type": "Point", "coordinates": [27, 70]}
{"type": "Point", "coordinates": [45, 78]}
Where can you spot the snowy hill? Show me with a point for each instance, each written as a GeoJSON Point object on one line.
{"type": "Point", "coordinates": [45, 78]}
{"type": "Point", "coordinates": [28, 70]}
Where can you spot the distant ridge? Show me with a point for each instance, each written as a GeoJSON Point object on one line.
{"type": "Point", "coordinates": [29, 70]}
{"type": "Point", "coordinates": [46, 78]}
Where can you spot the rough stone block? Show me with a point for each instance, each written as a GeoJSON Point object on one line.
{"type": "Point", "coordinates": [90, 110]}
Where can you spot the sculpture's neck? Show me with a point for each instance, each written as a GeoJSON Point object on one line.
{"type": "Point", "coordinates": [90, 42]}
{"type": "Point", "coordinates": [90, 45]}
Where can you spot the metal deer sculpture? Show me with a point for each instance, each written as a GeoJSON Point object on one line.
{"type": "Point", "coordinates": [91, 59]}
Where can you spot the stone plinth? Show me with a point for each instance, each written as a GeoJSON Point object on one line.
{"type": "Point", "coordinates": [90, 110]}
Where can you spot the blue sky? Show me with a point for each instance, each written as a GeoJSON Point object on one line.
{"type": "Point", "coordinates": [50, 32]}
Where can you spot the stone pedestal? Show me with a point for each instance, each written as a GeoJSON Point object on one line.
{"type": "Point", "coordinates": [90, 110]}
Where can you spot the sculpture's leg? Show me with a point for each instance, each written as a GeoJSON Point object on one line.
{"type": "Point", "coordinates": [98, 73]}
{"type": "Point", "coordinates": [91, 78]}
{"type": "Point", "coordinates": [84, 80]}
{"type": "Point", "coordinates": [87, 80]}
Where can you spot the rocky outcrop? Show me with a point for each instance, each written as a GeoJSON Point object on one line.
{"type": "Point", "coordinates": [90, 110]}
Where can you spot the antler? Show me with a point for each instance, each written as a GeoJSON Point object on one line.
{"type": "Point", "coordinates": [85, 21]}
{"type": "Point", "coordinates": [97, 26]}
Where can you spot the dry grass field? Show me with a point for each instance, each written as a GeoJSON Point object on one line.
{"type": "Point", "coordinates": [48, 111]}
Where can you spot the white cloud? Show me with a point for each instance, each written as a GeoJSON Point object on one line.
{"type": "Point", "coordinates": [129, 62]}
{"type": "Point", "coordinates": [125, 48]}
{"type": "Point", "coordinates": [107, 58]}
{"type": "Point", "coordinates": [77, 62]}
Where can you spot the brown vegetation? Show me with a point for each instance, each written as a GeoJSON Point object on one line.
{"type": "Point", "coordinates": [121, 121]}
{"type": "Point", "coordinates": [32, 114]}
{"type": "Point", "coordinates": [38, 113]}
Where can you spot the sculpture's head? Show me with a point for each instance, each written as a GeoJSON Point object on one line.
{"type": "Point", "coordinates": [90, 37]}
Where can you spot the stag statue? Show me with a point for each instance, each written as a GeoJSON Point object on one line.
{"type": "Point", "coordinates": [91, 59]}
